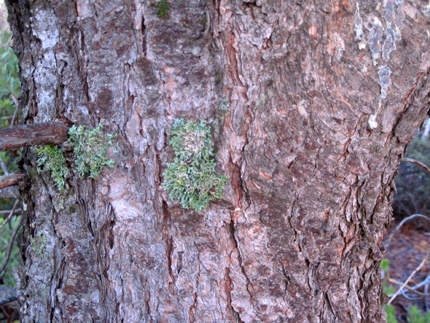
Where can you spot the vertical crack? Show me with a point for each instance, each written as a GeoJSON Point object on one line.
{"type": "Point", "coordinates": [193, 307]}
{"type": "Point", "coordinates": [240, 261]}
{"type": "Point", "coordinates": [143, 31]}
{"type": "Point", "coordinates": [169, 246]}
{"type": "Point", "coordinates": [228, 290]}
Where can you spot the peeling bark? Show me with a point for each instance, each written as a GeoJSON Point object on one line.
{"type": "Point", "coordinates": [311, 105]}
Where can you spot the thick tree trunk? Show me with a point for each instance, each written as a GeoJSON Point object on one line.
{"type": "Point", "coordinates": [311, 106]}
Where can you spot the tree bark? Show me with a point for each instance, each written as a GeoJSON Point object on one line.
{"type": "Point", "coordinates": [31, 135]}
{"type": "Point", "coordinates": [311, 106]}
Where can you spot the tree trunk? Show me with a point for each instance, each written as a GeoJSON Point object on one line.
{"type": "Point", "coordinates": [311, 106]}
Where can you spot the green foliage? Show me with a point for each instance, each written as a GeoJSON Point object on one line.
{"type": "Point", "coordinates": [9, 81]}
{"type": "Point", "coordinates": [10, 158]}
{"type": "Point", "coordinates": [9, 88]}
{"type": "Point", "coordinates": [385, 263]}
{"type": "Point", "coordinates": [191, 178]}
{"type": "Point", "coordinates": [391, 313]}
{"type": "Point", "coordinates": [5, 235]}
{"type": "Point", "coordinates": [387, 289]}
{"type": "Point", "coordinates": [90, 147]}
{"type": "Point", "coordinates": [163, 7]}
{"type": "Point", "coordinates": [416, 316]}
{"type": "Point", "coordinates": [52, 159]}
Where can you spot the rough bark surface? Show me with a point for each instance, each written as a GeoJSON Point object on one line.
{"type": "Point", "coordinates": [311, 105]}
{"type": "Point", "coordinates": [34, 134]}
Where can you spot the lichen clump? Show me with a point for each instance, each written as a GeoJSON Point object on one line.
{"type": "Point", "coordinates": [90, 147]}
{"type": "Point", "coordinates": [52, 159]}
{"type": "Point", "coordinates": [191, 178]}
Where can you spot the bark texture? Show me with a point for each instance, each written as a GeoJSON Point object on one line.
{"type": "Point", "coordinates": [311, 105]}
{"type": "Point", "coordinates": [31, 135]}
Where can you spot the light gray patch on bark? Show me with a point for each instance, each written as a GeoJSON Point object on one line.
{"type": "Point", "coordinates": [389, 43]}
{"type": "Point", "coordinates": [394, 15]}
{"type": "Point", "coordinates": [426, 9]}
{"type": "Point", "coordinates": [358, 23]}
{"type": "Point", "coordinates": [384, 80]}
{"type": "Point", "coordinates": [45, 28]}
{"type": "Point", "coordinates": [400, 14]}
{"type": "Point", "coordinates": [375, 37]}
{"type": "Point", "coordinates": [46, 89]}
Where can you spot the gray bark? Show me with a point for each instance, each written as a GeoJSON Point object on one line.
{"type": "Point", "coordinates": [311, 104]}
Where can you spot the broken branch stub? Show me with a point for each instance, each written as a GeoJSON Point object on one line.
{"type": "Point", "coordinates": [12, 179]}
{"type": "Point", "coordinates": [34, 134]}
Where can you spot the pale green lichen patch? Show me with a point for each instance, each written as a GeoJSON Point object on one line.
{"type": "Point", "coordinates": [51, 158]}
{"type": "Point", "coordinates": [90, 147]}
{"type": "Point", "coordinates": [191, 178]}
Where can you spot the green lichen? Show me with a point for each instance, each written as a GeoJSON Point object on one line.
{"type": "Point", "coordinates": [191, 178]}
{"type": "Point", "coordinates": [163, 7]}
{"type": "Point", "coordinates": [90, 147]}
{"type": "Point", "coordinates": [51, 158]}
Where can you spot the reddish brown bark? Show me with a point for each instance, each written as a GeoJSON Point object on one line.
{"type": "Point", "coordinates": [34, 134]}
{"type": "Point", "coordinates": [311, 106]}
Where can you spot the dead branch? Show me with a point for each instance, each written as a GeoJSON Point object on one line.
{"type": "Point", "coordinates": [7, 295]}
{"type": "Point", "coordinates": [8, 211]}
{"type": "Point", "coordinates": [3, 166]}
{"type": "Point", "coordinates": [7, 300]}
{"type": "Point", "coordinates": [400, 225]}
{"type": "Point", "coordinates": [15, 100]}
{"type": "Point", "coordinates": [34, 134]}
{"type": "Point", "coordinates": [393, 281]}
{"type": "Point", "coordinates": [409, 278]}
{"type": "Point", "coordinates": [11, 212]}
{"type": "Point", "coordinates": [416, 162]}
{"type": "Point", "coordinates": [12, 179]}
